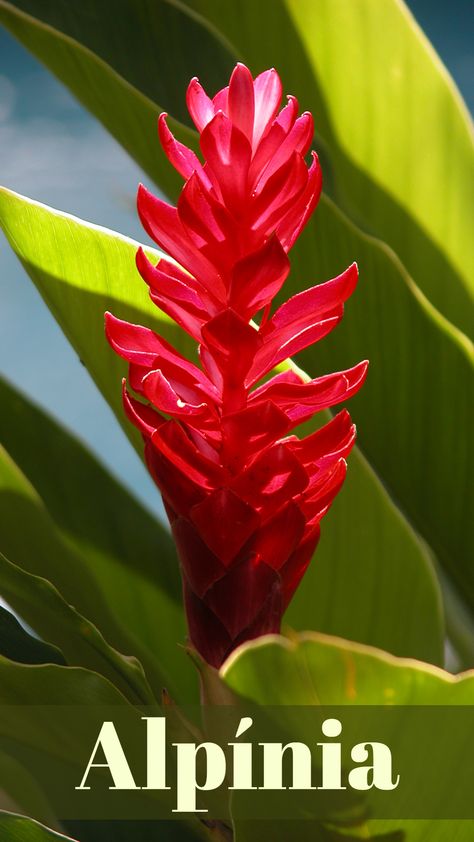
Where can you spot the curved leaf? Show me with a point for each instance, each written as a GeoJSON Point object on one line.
{"type": "Point", "coordinates": [23, 792]}
{"type": "Point", "coordinates": [82, 644]}
{"type": "Point", "coordinates": [128, 113]}
{"type": "Point", "coordinates": [19, 829]}
{"type": "Point", "coordinates": [315, 669]}
{"type": "Point", "coordinates": [95, 271]}
{"type": "Point", "coordinates": [50, 685]}
{"type": "Point", "coordinates": [416, 407]}
{"type": "Point", "coordinates": [18, 645]}
{"type": "Point", "coordinates": [368, 563]}
{"type": "Point", "coordinates": [92, 540]}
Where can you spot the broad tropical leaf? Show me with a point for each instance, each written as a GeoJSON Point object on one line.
{"type": "Point", "coordinates": [43, 685]}
{"type": "Point", "coordinates": [421, 368]}
{"type": "Point", "coordinates": [81, 643]}
{"type": "Point", "coordinates": [92, 540]}
{"type": "Point", "coordinates": [368, 551]}
{"type": "Point", "coordinates": [23, 792]}
{"type": "Point", "coordinates": [315, 669]}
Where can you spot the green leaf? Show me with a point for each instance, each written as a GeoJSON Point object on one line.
{"type": "Point", "coordinates": [19, 829]}
{"type": "Point", "coordinates": [55, 742]}
{"type": "Point", "coordinates": [80, 641]}
{"type": "Point", "coordinates": [56, 739]}
{"type": "Point", "coordinates": [416, 408]}
{"type": "Point", "coordinates": [126, 111]}
{"type": "Point", "coordinates": [22, 685]}
{"type": "Point", "coordinates": [316, 669]}
{"type": "Point", "coordinates": [186, 42]}
{"type": "Point", "coordinates": [78, 297]}
{"type": "Point", "coordinates": [40, 549]}
{"type": "Point", "coordinates": [18, 645]}
{"type": "Point", "coordinates": [368, 563]}
{"type": "Point", "coordinates": [24, 792]}
{"type": "Point", "coordinates": [92, 540]}
{"type": "Point", "coordinates": [109, 521]}
{"type": "Point", "coordinates": [383, 139]}
{"type": "Point", "coordinates": [14, 828]}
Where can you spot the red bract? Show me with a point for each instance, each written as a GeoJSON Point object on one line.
{"type": "Point", "coordinates": [244, 496]}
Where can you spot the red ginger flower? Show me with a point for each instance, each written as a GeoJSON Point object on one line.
{"type": "Point", "coordinates": [244, 497]}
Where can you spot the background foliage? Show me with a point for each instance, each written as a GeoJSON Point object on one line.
{"type": "Point", "coordinates": [394, 567]}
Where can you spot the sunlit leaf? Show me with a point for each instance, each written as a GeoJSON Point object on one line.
{"type": "Point", "coordinates": [314, 669]}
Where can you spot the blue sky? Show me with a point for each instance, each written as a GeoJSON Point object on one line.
{"type": "Point", "coordinates": [43, 129]}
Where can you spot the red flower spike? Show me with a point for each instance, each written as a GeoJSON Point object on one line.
{"type": "Point", "coordinates": [243, 495]}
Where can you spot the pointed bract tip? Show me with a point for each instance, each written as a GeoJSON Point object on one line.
{"type": "Point", "coordinates": [140, 257]}
{"type": "Point", "coordinates": [343, 415]}
{"type": "Point", "coordinates": [364, 365]}
{"type": "Point", "coordinates": [241, 69]}
{"type": "Point", "coordinates": [143, 196]}
{"type": "Point", "coordinates": [163, 125]}
{"type": "Point", "coordinates": [109, 320]}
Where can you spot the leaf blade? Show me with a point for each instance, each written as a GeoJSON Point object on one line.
{"type": "Point", "coordinates": [84, 534]}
